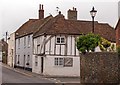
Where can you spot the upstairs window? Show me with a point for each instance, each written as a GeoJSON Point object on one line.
{"type": "Point", "coordinates": [28, 40]}
{"type": "Point", "coordinates": [24, 41]}
{"type": "Point", "coordinates": [60, 40]}
{"type": "Point", "coordinates": [38, 49]}
{"type": "Point", "coordinates": [19, 43]}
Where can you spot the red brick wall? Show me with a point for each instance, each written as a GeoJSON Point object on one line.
{"type": "Point", "coordinates": [118, 34]}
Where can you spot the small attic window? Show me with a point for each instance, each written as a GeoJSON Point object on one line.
{"type": "Point", "coordinates": [60, 40]}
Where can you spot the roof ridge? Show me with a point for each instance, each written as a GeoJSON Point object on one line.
{"type": "Point", "coordinates": [44, 22]}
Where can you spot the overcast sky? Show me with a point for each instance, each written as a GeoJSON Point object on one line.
{"type": "Point", "coordinates": [13, 13]}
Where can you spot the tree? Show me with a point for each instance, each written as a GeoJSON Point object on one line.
{"type": "Point", "coordinates": [89, 42]}
{"type": "Point", "coordinates": [104, 44]}
{"type": "Point", "coordinates": [118, 51]}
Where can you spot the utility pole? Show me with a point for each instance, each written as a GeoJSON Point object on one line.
{"type": "Point", "coordinates": [6, 34]}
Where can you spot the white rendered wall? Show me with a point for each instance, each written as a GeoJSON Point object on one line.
{"type": "Point", "coordinates": [51, 69]}
{"type": "Point", "coordinates": [11, 46]}
{"type": "Point", "coordinates": [36, 69]}
{"type": "Point", "coordinates": [24, 50]}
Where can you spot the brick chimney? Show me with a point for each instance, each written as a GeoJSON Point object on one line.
{"type": "Point", "coordinates": [72, 14]}
{"type": "Point", "coordinates": [41, 11]}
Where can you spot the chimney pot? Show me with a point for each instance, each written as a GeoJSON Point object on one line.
{"type": "Point", "coordinates": [59, 12]}
{"type": "Point", "coordinates": [42, 7]}
{"type": "Point", "coordinates": [75, 9]}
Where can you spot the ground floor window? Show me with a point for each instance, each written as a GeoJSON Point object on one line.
{"type": "Point", "coordinates": [65, 62]}
{"type": "Point", "coordinates": [58, 61]}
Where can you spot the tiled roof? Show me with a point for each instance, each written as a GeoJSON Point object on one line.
{"type": "Point", "coordinates": [118, 32]}
{"type": "Point", "coordinates": [60, 25]}
{"type": "Point", "coordinates": [30, 26]}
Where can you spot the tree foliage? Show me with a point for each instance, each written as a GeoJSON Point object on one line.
{"type": "Point", "coordinates": [118, 51]}
{"type": "Point", "coordinates": [89, 42]}
{"type": "Point", "coordinates": [104, 44]}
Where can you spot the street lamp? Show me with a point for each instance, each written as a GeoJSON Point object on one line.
{"type": "Point", "coordinates": [93, 13]}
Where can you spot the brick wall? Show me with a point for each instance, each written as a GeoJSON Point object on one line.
{"type": "Point", "coordinates": [99, 67]}
{"type": "Point", "coordinates": [118, 33]}
{"type": "Point", "coordinates": [118, 36]}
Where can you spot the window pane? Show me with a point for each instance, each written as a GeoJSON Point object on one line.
{"type": "Point", "coordinates": [56, 61]}
{"type": "Point", "coordinates": [24, 41]}
{"type": "Point", "coordinates": [62, 40]}
{"type": "Point", "coordinates": [58, 40]}
{"type": "Point", "coordinates": [60, 61]}
{"type": "Point", "coordinates": [29, 40]}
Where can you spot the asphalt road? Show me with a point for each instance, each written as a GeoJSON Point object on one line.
{"type": "Point", "coordinates": [10, 76]}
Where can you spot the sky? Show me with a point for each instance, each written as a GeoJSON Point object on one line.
{"type": "Point", "coordinates": [14, 13]}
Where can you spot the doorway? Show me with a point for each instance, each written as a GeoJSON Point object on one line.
{"type": "Point", "coordinates": [42, 61]}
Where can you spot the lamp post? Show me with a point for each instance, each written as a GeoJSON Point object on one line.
{"type": "Point", "coordinates": [93, 13]}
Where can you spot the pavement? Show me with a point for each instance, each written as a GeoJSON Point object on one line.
{"type": "Point", "coordinates": [55, 79]}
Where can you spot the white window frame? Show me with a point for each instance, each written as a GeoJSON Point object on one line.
{"type": "Point", "coordinates": [59, 62]}
{"type": "Point", "coordinates": [28, 40]}
{"type": "Point", "coordinates": [19, 43]}
{"type": "Point", "coordinates": [60, 38]}
{"type": "Point", "coordinates": [24, 41]}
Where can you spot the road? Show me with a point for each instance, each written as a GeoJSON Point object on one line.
{"type": "Point", "coordinates": [11, 76]}
{"type": "Point", "coordinates": [16, 77]}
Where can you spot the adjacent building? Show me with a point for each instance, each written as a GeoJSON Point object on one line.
{"type": "Point", "coordinates": [24, 41]}
{"type": "Point", "coordinates": [118, 33]}
{"type": "Point", "coordinates": [4, 51]}
{"type": "Point", "coordinates": [11, 50]}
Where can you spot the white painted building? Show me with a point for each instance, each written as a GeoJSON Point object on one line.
{"type": "Point", "coordinates": [24, 41]}
{"type": "Point", "coordinates": [11, 50]}
{"type": "Point", "coordinates": [24, 52]}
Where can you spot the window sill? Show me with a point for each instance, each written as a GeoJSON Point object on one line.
{"type": "Point", "coordinates": [60, 43]}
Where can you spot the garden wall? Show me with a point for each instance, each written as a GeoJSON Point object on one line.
{"type": "Point", "coordinates": [100, 67]}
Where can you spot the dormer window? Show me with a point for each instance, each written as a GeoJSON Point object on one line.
{"type": "Point", "coordinates": [60, 40]}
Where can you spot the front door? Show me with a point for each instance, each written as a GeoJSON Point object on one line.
{"type": "Point", "coordinates": [42, 59]}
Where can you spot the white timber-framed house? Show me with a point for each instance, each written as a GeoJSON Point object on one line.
{"type": "Point", "coordinates": [54, 44]}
